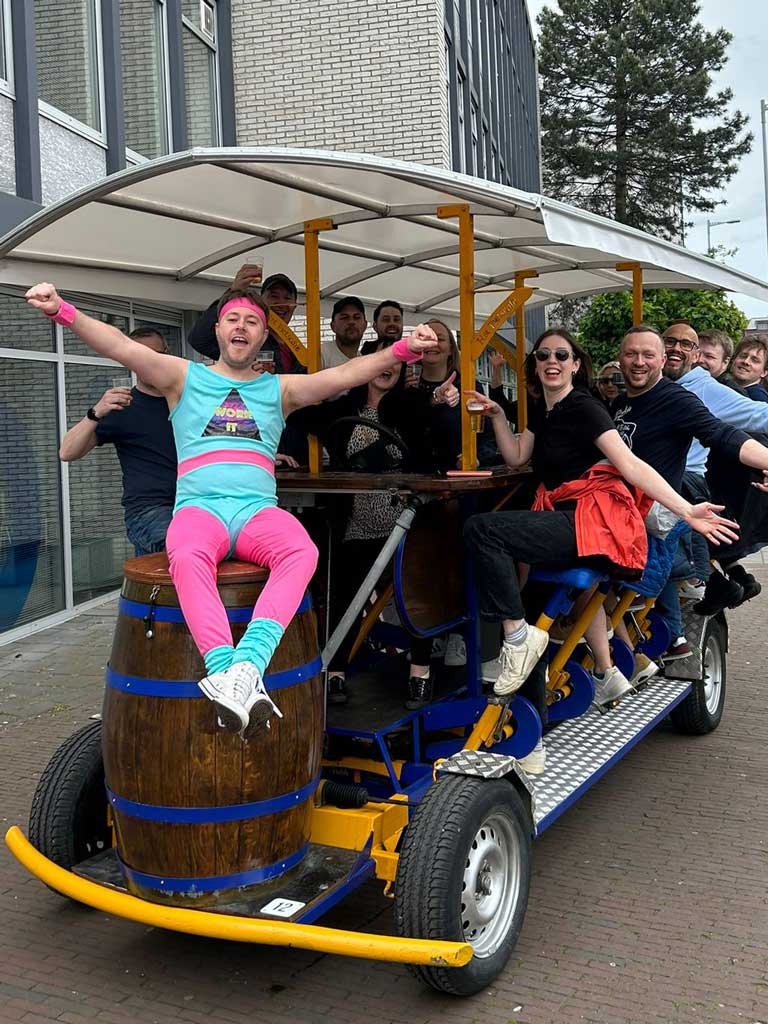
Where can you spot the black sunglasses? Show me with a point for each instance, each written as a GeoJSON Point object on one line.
{"type": "Point", "coordinates": [562, 355]}
{"type": "Point", "coordinates": [685, 343]}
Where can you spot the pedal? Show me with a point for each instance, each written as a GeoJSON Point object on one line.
{"type": "Point", "coordinates": [504, 701]}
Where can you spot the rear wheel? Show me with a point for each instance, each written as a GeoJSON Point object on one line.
{"type": "Point", "coordinates": [701, 712]}
{"type": "Point", "coordinates": [464, 875]}
{"type": "Point", "coordinates": [68, 822]}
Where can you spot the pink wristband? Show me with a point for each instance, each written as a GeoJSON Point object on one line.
{"type": "Point", "coordinates": [65, 314]}
{"type": "Point", "coordinates": [402, 352]}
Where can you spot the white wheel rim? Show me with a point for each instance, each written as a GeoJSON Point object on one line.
{"type": "Point", "coordinates": [490, 885]}
{"type": "Point", "coordinates": [713, 675]}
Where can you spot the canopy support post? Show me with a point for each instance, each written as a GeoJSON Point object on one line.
{"type": "Point", "coordinates": [522, 405]}
{"type": "Point", "coordinates": [312, 229]}
{"type": "Point", "coordinates": [637, 290]}
{"type": "Point", "coordinates": [466, 322]}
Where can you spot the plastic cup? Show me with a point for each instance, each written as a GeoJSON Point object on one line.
{"type": "Point", "coordinates": [476, 412]}
{"type": "Point", "coordinates": [266, 361]}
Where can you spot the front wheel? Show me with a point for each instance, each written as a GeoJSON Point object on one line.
{"type": "Point", "coordinates": [464, 875]}
{"type": "Point", "coordinates": [702, 710]}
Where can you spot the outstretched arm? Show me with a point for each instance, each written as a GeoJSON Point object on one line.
{"type": "Point", "coordinates": [299, 390]}
{"type": "Point", "coordinates": [165, 372]}
{"type": "Point", "coordinates": [702, 517]}
{"type": "Point", "coordinates": [754, 454]}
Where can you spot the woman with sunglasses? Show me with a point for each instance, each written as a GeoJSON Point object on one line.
{"type": "Point", "coordinates": [593, 493]}
{"type": "Point", "coordinates": [610, 382]}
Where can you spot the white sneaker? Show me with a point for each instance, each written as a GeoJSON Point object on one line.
{"type": "Point", "coordinates": [229, 694]}
{"type": "Point", "coordinates": [517, 662]}
{"type": "Point", "coordinates": [259, 707]}
{"type": "Point", "coordinates": [693, 591]}
{"type": "Point", "coordinates": [534, 763]}
{"type": "Point", "coordinates": [613, 687]}
{"type": "Point", "coordinates": [491, 670]}
{"type": "Point", "coordinates": [455, 651]}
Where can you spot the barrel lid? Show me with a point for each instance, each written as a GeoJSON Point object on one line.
{"type": "Point", "coordinates": [154, 569]}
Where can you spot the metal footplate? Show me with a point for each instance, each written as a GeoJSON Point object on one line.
{"type": "Point", "coordinates": [579, 750]}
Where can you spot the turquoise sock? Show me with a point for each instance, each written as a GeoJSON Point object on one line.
{"type": "Point", "coordinates": [259, 643]}
{"type": "Point", "coordinates": [218, 658]}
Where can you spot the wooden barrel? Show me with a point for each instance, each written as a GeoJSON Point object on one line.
{"type": "Point", "coordinates": [198, 813]}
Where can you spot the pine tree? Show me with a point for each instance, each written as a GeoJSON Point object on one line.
{"type": "Point", "coordinates": [631, 127]}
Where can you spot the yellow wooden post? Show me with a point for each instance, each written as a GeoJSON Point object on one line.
{"type": "Point", "coordinates": [637, 290]}
{"type": "Point", "coordinates": [522, 404]}
{"type": "Point", "coordinates": [312, 229]}
{"type": "Point", "coordinates": [466, 322]}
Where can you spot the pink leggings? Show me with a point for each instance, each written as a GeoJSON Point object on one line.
{"type": "Point", "coordinates": [197, 541]}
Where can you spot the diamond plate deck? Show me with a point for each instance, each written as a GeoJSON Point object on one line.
{"type": "Point", "coordinates": [581, 750]}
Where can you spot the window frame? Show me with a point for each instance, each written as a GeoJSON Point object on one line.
{"type": "Point", "coordinates": [51, 113]}
{"type": "Point", "coordinates": [213, 46]}
{"type": "Point", "coordinates": [131, 155]}
{"type": "Point", "coordinates": [7, 84]}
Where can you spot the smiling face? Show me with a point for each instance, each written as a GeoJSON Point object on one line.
{"type": "Point", "coordinates": [555, 374]}
{"type": "Point", "coordinates": [280, 300]}
{"type": "Point", "coordinates": [681, 344]}
{"type": "Point", "coordinates": [389, 324]}
{"type": "Point", "coordinates": [605, 383]}
{"type": "Point", "coordinates": [240, 333]}
{"type": "Point", "coordinates": [749, 366]}
{"type": "Point", "coordinates": [641, 359]}
{"type": "Point", "coordinates": [438, 358]}
{"type": "Point", "coordinates": [386, 380]}
{"type": "Point", "coordinates": [713, 358]}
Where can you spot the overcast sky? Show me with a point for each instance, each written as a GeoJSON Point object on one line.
{"type": "Point", "coordinates": [745, 73]}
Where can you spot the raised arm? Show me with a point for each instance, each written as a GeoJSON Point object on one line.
{"type": "Point", "coordinates": [164, 372]}
{"type": "Point", "coordinates": [515, 449]}
{"type": "Point", "coordinates": [702, 517]}
{"type": "Point", "coordinates": [299, 390]}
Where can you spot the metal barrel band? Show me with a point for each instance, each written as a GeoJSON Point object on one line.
{"type": "Point", "coordinates": [188, 688]}
{"type": "Point", "coordinates": [191, 886]}
{"type": "Point", "coordinates": [212, 815]}
{"type": "Point", "coordinates": [164, 613]}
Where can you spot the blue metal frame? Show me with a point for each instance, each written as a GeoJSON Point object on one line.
{"type": "Point", "coordinates": [363, 869]}
{"type": "Point", "coordinates": [166, 613]}
{"type": "Point", "coordinates": [400, 602]}
{"type": "Point", "coordinates": [188, 688]}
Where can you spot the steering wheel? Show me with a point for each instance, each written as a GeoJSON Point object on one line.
{"type": "Point", "coordinates": [374, 458]}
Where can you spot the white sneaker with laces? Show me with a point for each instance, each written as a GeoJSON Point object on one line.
{"type": "Point", "coordinates": [517, 661]}
{"type": "Point", "coordinates": [259, 707]}
{"type": "Point", "coordinates": [534, 763]}
{"type": "Point", "coordinates": [455, 651]}
{"type": "Point", "coordinates": [229, 694]}
{"type": "Point", "coordinates": [613, 687]}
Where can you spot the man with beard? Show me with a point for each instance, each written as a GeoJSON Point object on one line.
{"type": "Point", "coordinates": [658, 419]}
{"type": "Point", "coordinates": [227, 420]}
{"type": "Point", "coordinates": [683, 359]}
{"type": "Point", "coordinates": [348, 324]}
{"type": "Point", "coordinates": [387, 323]}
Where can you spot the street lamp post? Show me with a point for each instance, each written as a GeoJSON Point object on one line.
{"type": "Point", "coordinates": [714, 224]}
{"type": "Point", "coordinates": [763, 116]}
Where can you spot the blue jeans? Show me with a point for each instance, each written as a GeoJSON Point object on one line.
{"type": "Point", "coordinates": [147, 529]}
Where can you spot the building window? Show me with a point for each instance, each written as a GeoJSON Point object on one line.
{"type": "Point", "coordinates": [200, 72]}
{"type": "Point", "coordinates": [67, 38]}
{"type": "Point", "coordinates": [143, 44]}
{"type": "Point", "coordinates": [460, 99]}
{"type": "Point", "coordinates": [6, 48]}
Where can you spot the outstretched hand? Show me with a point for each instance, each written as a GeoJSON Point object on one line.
{"type": "Point", "coordinates": [704, 519]}
{"type": "Point", "coordinates": [44, 297]}
{"type": "Point", "coordinates": [489, 407]}
{"type": "Point", "coordinates": [422, 339]}
{"type": "Point", "coordinates": [447, 393]}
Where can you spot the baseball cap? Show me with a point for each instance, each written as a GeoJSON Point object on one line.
{"type": "Point", "coordinates": [347, 300]}
{"type": "Point", "coordinates": [283, 281]}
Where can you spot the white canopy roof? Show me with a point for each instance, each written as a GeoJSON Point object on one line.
{"type": "Point", "coordinates": [177, 229]}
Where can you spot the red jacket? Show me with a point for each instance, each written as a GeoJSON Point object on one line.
{"type": "Point", "coordinates": [609, 516]}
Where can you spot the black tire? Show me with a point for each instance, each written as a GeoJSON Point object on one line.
{"type": "Point", "coordinates": [457, 813]}
{"type": "Point", "coordinates": [702, 710]}
{"type": "Point", "coordinates": [68, 822]}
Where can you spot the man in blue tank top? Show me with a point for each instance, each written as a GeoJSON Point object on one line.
{"type": "Point", "coordinates": [227, 422]}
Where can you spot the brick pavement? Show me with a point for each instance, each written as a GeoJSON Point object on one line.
{"type": "Point", "coordinates": [648, 903]}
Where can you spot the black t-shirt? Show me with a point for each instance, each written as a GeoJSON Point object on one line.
{"type": "Point", "coordinates": [143, 440]}
{"type": "Point", "coordinates": [660, 424]}
{"type": "Point", "coordinates": [564, 438]}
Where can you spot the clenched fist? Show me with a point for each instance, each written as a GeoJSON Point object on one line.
{"type": "Point", "coordinates": [44, 297]}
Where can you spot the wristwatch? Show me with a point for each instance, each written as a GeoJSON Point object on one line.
{"type": "Point", "coordinates": [91, 414]}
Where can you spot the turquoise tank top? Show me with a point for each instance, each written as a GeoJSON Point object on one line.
{"type": "Point", "coordinates": [226, 433]}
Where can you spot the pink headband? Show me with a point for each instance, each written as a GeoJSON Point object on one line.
{"type": "Point", "coordinates": [243, 304]}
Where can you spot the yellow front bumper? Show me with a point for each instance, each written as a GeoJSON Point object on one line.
{"type": "Point", "coordinates": [235, 929]}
